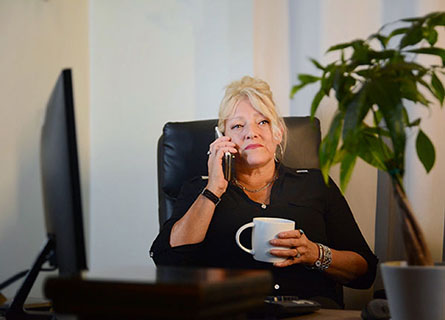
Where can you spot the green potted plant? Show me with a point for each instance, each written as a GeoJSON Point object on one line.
{"type": "Point", "coordinates": [379, 75]}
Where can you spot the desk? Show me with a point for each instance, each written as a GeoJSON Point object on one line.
{"type": "Point", "coordinates": [329, 314]}
{"type": "Point", "coordinates": [162, 293]}
{"type": "Point", "coordinates": [169, 293]}
{"type": "Point", "coordinates": [323, 314]}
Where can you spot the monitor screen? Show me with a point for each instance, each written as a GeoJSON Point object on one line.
{"type": "Point", "coordinates": [60, 179]}
{"type": "Point", "coordinates": [65, 245]}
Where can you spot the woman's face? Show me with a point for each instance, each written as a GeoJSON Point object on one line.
{"type": "Point", "coordinates": [252, 133]}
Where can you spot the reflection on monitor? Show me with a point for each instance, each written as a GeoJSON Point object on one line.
{"type": "Point", "coordinates": [65, 245]}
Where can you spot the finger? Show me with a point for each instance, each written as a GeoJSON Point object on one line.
{"type": "Point", "coordinates": [228, 147]}
{"type": "Point", "coordinates": [291, 234]}
{"type": "Point", "coordinates": [222, 151]}
{"type": "Point", "coordinates": [219, 140]}
{"type": "Point", "coordinates": [288, 242]}
{"type": "Point", "coordinates": [287, 262]}
{"type": "Point", "coordinates": [226, 144]}
{"type": "Point", "coordinates": [285, 253]}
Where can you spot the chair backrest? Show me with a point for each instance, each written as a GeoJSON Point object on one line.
{"type": "Point", "coordinates": [183, 146]}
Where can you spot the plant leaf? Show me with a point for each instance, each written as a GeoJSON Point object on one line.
{"type": "Point", "coordinates": [436, 19]}
{"type": "Point", "coordinates": [378, 116]}
{"type": "Point", "coordinates": [382, 39]}
{"type": "Point", "coordinates": [382, 55]}
{"type": "Point", "coordinates": [356, 111]}
{"type": "Point", "coordinates": [317, 64]}
{"type": "Point", "coordinates": [328, 78]}
{"type": "Point", "coordinates": [377, 131]}
{"type": "Point", "coordinates": [341, 46]}
{"type": "Point", "coordinates": [328, 147]}
{"type": "Point", "coordinates": [385, 94]}
{"type": "Point", "coordinates": [429, 87]}
{"type": "Point", "coordinates": [408, 89]}
{"type": "Point", "coordinates": [374, 151]}
{"type": "Point", "coordinates": [342, 84]}
{"type": "Point", "coordinates": [346, 168]}
{"type": "Point", "coordinates": [431, 50]}
{"type": "Point", "coordinates": [413, 36]}
{"type": "Point", "coordinates": [361, 53]}
{"type": "Point", "coordinates": [406, 119]}
{"type": "Point", "coordinates": [316, 102]}
{"type": "Point", "coordinates": [425, 151]}
{"type": "Point", "coordinates": [397, 32]}
{"type": "Point", "coordinates": [413, 19]}
{"type": "Point", "coordinates": [415, 123]}
{"type": "Point", "coordinates": [307, 78]}
{"type": "Point", "coordinates": [295, 89]}
{"type": "Point", "coordinates": [431, 35]}
{"type": "Point", "coordinates": [438, 88]}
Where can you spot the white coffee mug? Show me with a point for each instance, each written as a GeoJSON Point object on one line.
{"type": "Point", "coordinates": [264, 230]}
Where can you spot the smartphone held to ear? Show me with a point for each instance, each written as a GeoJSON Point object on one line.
{"type": "Point", "coordinates": [228, 159]}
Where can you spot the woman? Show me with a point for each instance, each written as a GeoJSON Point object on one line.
{"type": "Point", "coordinates": [327, 247]}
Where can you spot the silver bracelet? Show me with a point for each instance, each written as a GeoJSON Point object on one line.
{"type": "Point", "coordinates": [327, 257]}
{"type": "Point", "coordinates": [324, 258]}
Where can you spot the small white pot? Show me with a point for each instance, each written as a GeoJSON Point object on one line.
{"type": "Point", "coordinates": [414, 292]}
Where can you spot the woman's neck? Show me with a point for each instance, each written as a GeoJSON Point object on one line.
{"type": "Point", "coordinates": [255, 178]}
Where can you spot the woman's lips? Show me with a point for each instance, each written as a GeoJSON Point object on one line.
{"type": "Point", "coordinates": [253, 146]}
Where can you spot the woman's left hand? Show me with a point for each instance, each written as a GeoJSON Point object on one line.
{"type": "Point", "coordinates": [300, 249]}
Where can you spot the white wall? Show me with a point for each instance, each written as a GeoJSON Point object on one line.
{"type": "Point", "coordinates": [271, 48]}
{"type": "Point", "coordinates": [425, 191]}
{"type": "Point", "coordinates": [316, 25]}
{"type": "Point", "coordinates": [151, 62]}
{"type": "Point", "coordinates": [157, 61]}
{"type": "Point", "coordinates": [37, 40]}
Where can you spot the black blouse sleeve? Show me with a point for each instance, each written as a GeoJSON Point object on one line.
{"type": "Point", "coordinates": [161, 251]}
{"type": "Point", "coordinates": [344, 234]}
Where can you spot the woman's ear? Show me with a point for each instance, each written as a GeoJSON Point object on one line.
{"type": "Point", "coordinates": [278, 136]}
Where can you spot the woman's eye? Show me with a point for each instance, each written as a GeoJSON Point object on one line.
{"type": "Point", "coordinates": [263, 122]}
{"type": "Point", "coordinates": [236, 126]}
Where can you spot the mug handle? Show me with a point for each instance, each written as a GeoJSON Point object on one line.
{"type": "Point", "coordinates": [238, 233]}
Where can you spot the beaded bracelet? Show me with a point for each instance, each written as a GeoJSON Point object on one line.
{"type": "Point", "coordinates": [324, 258]}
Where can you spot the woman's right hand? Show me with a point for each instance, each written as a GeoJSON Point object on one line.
{"type": "Point", "coordinates": [216, 183]}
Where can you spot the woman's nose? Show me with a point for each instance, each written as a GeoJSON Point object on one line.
{"type": "Point", "coordinates": [251, 132]}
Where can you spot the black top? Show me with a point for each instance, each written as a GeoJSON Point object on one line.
{"type": "Point", "coordinates": [300, 195]}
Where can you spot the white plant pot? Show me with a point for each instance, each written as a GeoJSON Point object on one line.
{"type": "Point", "coordinates": [414, 292]}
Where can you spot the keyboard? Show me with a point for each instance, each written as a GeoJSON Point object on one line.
{"type": "Point", "coordinates": [284, 306]}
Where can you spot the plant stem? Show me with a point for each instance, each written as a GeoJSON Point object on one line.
{"type": "Point", "coordinates": [416, 248]}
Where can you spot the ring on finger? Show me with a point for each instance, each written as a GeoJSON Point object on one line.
{"type": "Point", "coordinates": [298, 254]}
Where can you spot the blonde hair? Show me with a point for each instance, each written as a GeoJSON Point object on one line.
{"type": "Point", "coordinates": [260, 96]}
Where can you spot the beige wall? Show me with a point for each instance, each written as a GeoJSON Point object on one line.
{"type": "Point", "coordinates": [271, 59]}
{"type": "Point", "coordinates": [156, 61]}
{"type": "Point", "coordinates": [151, 62]}
{"type": "Point", "coordinates": [37, 40]}
{"type": "Point", "coordinates": [426, 191]}
{"type": "Point", "coordinates": [286, 34]}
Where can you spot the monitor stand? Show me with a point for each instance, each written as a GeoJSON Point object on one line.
{"type": "Point", "coordinates": [16, 310]}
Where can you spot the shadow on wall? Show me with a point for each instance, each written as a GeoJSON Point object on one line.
{"type": "Point", "coordinates": [25, 209]}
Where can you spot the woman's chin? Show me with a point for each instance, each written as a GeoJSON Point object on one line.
{"type": "Point", "coordinates": [256, 162]}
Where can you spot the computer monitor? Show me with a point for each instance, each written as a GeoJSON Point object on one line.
{"type": "Point", "coordinates": [65, 245]}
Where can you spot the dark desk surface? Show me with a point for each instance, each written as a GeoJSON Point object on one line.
{"type": "Point", "coordinates": [329, 314]}
{"type": "Point", "coordinates": [169, 293]}
{"type": "Point", "coordinates": [323, 314]}
{"type": "Point", "coordinates": [165, 292]}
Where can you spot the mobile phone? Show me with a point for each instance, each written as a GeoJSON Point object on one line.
{"type": "Point", "coordinates": [228, 159]}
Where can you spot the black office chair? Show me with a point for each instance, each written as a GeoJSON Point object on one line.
{"type": "Point", "coordinates": [183, 146]}
{"type": "Point", "coordinates": [182, 155]}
